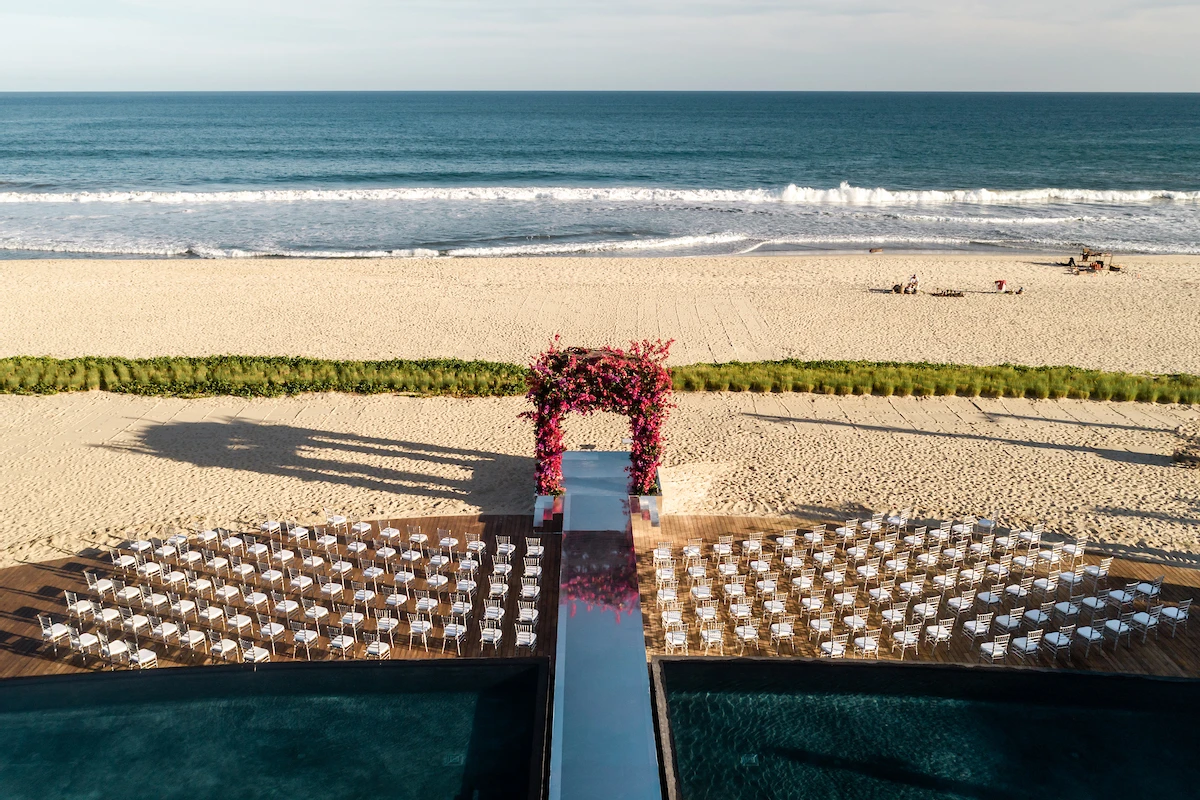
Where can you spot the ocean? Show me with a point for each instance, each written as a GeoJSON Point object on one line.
{"type": "Point", "coordinates": [216, 175]}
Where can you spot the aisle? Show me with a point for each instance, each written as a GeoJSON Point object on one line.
{"type": "Point", "coordinates": [603, 737]}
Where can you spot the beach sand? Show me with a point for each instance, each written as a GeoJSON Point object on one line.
{"type": "Point", "coordinates": [78, 470]}
{"type": "Point", "coordinates": [86, 469]}
{"type": "Point", "coordinates": [717, 309]}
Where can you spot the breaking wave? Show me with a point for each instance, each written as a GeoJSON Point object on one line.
{"type": "Point", "coordinates": [845, 194]}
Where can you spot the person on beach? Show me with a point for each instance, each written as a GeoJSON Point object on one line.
{"type": "Point", "coordinates": [913, 285]}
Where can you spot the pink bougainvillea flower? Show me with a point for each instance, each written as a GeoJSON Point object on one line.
{"type": "Point", "coordinates": [632, 382]}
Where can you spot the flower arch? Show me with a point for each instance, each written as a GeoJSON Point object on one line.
{"type": "Point", "coordinates": [633, 382]}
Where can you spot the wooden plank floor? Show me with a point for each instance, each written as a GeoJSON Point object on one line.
{"type": "Point", "coordinates": [30, 589]}
{"type": "Point", "coordinates": [1178, 657]}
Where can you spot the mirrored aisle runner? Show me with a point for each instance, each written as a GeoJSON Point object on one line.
{"type": "Point", "coordinates": [603, 737]}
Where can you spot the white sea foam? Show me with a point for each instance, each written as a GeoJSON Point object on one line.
{"type": "Point", "coordinates": [200, 251]}
{"type": "Point", "coordinates": [548, 248]}
{"type": "Point", "coordinates": [988, 220]}
{"type": "Point", "coordinates": [562, 248]}
{"type": "Point", "coordinates": [845, 194]}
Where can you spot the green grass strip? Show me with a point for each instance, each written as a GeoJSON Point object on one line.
{"type": "Point", "coordinates": [248, 376]}
{"type": "Point", "coordinates": [924, 380]}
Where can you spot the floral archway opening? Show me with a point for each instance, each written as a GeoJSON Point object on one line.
{"type": "Point", "coordinates": [633, 382]}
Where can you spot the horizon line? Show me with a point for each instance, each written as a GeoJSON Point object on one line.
{"type": "Point", "coordinates": [603, 91]}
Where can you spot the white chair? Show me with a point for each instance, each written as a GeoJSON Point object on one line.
{"type": "Point", "coordinates": [1098, 572]}
{"type": "Point", "coordinates": [163, 630]}
{"type": "Point", "coordinates": [995, 651]}
{"type": "Point", "coordinates": [53, 632]}
{"type": "Point", "coordinates": [1058, 641]}
{"type": "Point", "coordinates": [1090, 635]}
{"type": "Point", "coordinates": [528, 612]}
{"type": "Point", "coordinates": [221, 647]}
{"type": "Point", "coordinates": [79, 609]}
{"type": "Point", "coordinates": [1068, 610]}
{"type": "Point", "coordinates": [1027, 647]}
{"type": "Point", "coordinates": [1174, 616]}
{"type": "Point", "coordinates": [115, 651]}
{"type": "Point", "coordinates": [821, 626]}
{"type": "Point", "coordinates": [1010, 622]}
{"type": "Point", "coordinates": [420, 626]}
{"type": "Point", "coordinates": [192, 640]}
{"type": "Point", "coordinates": [143, 658]}
{"type": "Point", "coordinates": [270, 630]}
{"type": "Point", "coordinates": [490, 633]}
{"type": "Point", "coordinates": [867, 645]}
{"type": "Point", "coordinates": [746, 632]}
{"type": "Point", "coordinates": [940, 633]}
{"type": "Point", "coordinates": [85, 643]}
{"type": "Point", "coordinates": [926, 610]}
{"type": "Point", "coordinates": [302, 635]}
{"type": "Point", "coordinates": [1150, 590]}
{"type": "Point", "coordinates": [341, 642]}
{"type": "Point", "coordinates": [1121, 627]}
{"type": "Point", "coordinates": [835, 647]}
{"type": "Point", "coordinates": [909, 638]}
{"type": "Point", "coordinates": [454, 629]}
{"type": "Point", "coordinates": [896, 616]}
{"type": "Point", "coordinates": [526, 635]}
{"type": "Point", "coordinates": [313, 612]}
{"type": "Point", "coordinates": [1038, 617]}
{"type": "Point", "coordinates": [134, 623]}
{"type": "Point", "coordinates": [377, 649]}
{"type": "Point", "coordinates": [97, 585]}
{"type": "Point", "coordinates": [676, 638]}
{"type": "Point", "coordinates": [1145, 621]}
{"type": "Point", "coordinates": [979, 627]}
{"type": "Point", "coordinates": [209, 614]}
{"type": "Point", "coordinates": [386, 625]}
{"type": "Point", "coordinates": [883, 593]}
{"type": "Point", "coordinates": [712, 635]}
{"type": "Point", "coordinates": [252, 653]}
{"type": "Point", "coordinates": [784, 630]}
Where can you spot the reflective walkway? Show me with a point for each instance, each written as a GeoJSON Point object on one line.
{"type": "Point", "coordinates": [603, 745]}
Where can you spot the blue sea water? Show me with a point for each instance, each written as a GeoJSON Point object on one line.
{"type": "Point", "coordinates": [467, 174]}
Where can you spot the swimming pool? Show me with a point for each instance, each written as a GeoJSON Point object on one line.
{"type": "Point", "coordinates": [462, 729]}
{"type": "Point", "coordinates": [751, 728]}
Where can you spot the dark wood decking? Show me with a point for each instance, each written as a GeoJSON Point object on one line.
{"type": "Point", "coordinates": [32, 589]}
{"type": "Point", "coordinates": [1178, 657]}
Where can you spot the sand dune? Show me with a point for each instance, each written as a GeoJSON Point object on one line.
{"type": "Point", "coordinates": [717, 309]}
{"type": "Point", "coordinates": [86, 469]}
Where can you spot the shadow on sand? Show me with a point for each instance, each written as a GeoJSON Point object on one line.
{"type": "Point", "coordinates": [1120, 456]}
{"type": "Point", "coordinates": [340, 459]}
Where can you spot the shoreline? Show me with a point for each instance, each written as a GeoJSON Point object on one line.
{"type": "Point", "coordinates": [800, 252]}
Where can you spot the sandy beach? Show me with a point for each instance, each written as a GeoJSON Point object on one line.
{"type": "Point", "coordinates": [87, 469]}
{"type": "Point", "coordinates": [717, 309]}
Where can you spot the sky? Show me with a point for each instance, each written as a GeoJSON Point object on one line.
{"type": "Point", "coordinates": [926, 45]}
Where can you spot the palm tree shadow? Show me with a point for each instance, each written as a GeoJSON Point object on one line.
{"type": "Point", "coordinates": [493, 481]}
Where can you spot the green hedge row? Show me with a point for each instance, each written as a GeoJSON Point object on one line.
{"type": "Point", "coordinates": [890, 378]}
{"type": "Point", "coordinates": [272, 376]}
{"type": "Point", "coordinates": [258, 377]}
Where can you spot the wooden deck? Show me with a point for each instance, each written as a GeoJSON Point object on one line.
{"type": "Point", "coordinates": [1178, 657]}
{"type": "Point", "coordinates": [31, 589]}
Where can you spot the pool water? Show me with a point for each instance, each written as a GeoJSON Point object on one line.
{"type": "Point", "coordinates": [810, 730]}
{"type": "Point", "coordinates": [286, 731]}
